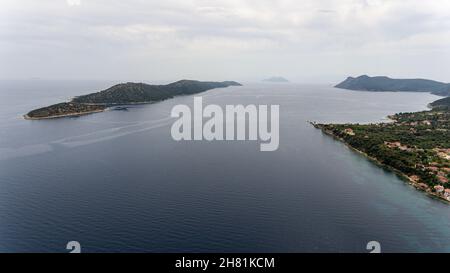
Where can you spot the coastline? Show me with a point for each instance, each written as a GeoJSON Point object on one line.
{"type": "Point", "coordinates": [374, 160]}
{"type": "Point", "coordinates": [107, 105]}
{"type": "Point", "coordinates": [26, 117]}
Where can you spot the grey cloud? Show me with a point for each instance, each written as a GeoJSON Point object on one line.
{"type": "Point", "coordinates": [39, 38]}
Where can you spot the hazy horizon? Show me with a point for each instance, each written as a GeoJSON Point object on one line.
{"type": "Point", "coordinates": [304, 41]}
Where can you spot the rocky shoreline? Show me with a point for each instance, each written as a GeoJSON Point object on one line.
{"type": "Point", "coordinates": [27, 117]}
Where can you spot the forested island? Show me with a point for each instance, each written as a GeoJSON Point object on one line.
{"type": "Point", "coordinates": [415, 145]}
{"type": "Point", "coordinates": [123, 94]}
{"type": "Point", "coordinates": [380, 84]}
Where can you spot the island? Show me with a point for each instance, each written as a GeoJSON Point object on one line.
{"type": "Point", "coordinates": [124, 94]}
{"type": "Point", "coordinates": [383, 84]}
{"type": "Point", "coordinates": [276, 79]}
{"type": "Point", "coordinates": [414, 145]}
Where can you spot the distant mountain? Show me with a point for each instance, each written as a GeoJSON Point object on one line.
{"type": "Point", "coordinates": [442, 103]}
{"type": "Point", "coordinates": [366, 83]}
{"type": "Point", "coordinates": [140, 92]}
{"type": "Point", "coordinates": [122, 94]}
{"type": "Point", "coordinates": [276, 79]}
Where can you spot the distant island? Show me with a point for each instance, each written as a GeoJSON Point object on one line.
{"type": "Point", "coordinates": [366, 83]}
{"type": "Point", "coordinates": [123, 94]}
{"type": "Point", "coordinates": [275, 79]}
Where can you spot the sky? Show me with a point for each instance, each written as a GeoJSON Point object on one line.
{"type": "Point", "coordinates": [310, 41]}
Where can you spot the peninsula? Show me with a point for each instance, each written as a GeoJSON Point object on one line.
{"type": "Point", "coordinates": [123, 94]}
{"type": "Point", "coordinates": [382, 84]}
{"type": "Point", "coordinates": [441, 104]}
{"type": "Point", "coordinates": [414, 145]}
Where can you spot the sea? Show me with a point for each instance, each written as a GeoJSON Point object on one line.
{"type": "Point", "coordinates": [117, 181]}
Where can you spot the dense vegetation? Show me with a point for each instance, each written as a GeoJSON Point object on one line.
{"type": "Point", "coordinates": [366, 83]}
{"type": "Point", "coordinates": [141, 92]}
{"type": "Point", "coordinates": [125, 93]}
{"type": "Point", "coordinates": [416, 144]}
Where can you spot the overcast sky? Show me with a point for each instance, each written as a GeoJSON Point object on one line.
{"type": "Point", "coordinates": [303, 40]}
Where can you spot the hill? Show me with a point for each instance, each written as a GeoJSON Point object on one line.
{"type": "Point", "coordinates": [141, 93]}
{"type": "Point", "coordinates": [124, 93]}
{"type": "Point", "coordinates": [366, 83]}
